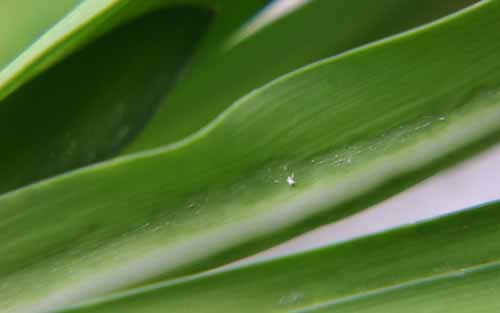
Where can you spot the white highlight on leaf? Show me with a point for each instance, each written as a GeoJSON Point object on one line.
{"type": "Point", "coordinates": [271, 13]}
{"type": "Point", "coordinates": [291, 180]}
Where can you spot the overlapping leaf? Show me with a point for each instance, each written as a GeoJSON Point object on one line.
{"type": "Point", "coordinates": [90, 105]}
{"type": "Point", "coordinates": [247, 60]}
{"type": "Point", "coordinates": [448, 264]}
{"type": "Point", "coordinates": [346, 128]}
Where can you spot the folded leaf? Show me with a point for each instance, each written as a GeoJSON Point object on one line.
{"type": "Point", "coordinates": [449, 264]}
{"type": "Point", "coordinates": [300, 152]}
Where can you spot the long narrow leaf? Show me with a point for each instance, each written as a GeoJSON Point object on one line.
{"type": "Point", "coordinates": [449, 264]}
{"type": "Point", "coordinates": [319, 29]}
{"type": "Point", "coordinates": [23, 21]}
{"type": "Point", "coordinates": [229, 190]}
{"type": "Point", "coordinates": [89, 105]}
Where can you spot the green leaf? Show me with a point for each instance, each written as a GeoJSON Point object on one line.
{"type": "Point", "coordinates": [88, 105]}
{"type": "Point", "coordinates": [120, 79]}
{"type": "Point", "coordinates": [92, 18]}
{"type": "Point", "coordinates": [449, 264]}
{"type": "Point", "coordinates": [22, 21]}
{"type": "Point", "coordinates": [222, 193]}
{"type": "Point", "coordinates": [243, 62]}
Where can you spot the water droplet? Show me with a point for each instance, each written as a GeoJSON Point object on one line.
{"type": "Point", "coordinates": [290, 180]}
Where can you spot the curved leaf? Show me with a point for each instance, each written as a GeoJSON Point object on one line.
{"type": "Point", "coordinates": [223, 192]}
{"type": "Point", "coordinates": [86, 108]}
{"type": "Point", "coordinates": [319, 29]}
{"type": "Point", "coordinates": [111, 94]}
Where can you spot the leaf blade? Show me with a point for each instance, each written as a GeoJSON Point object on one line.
{"type": "Point", "coordinates": [318, 30]}
{"type": "Point", "coordinates": [439, 263]}
{"type": "Point", "coordinates": [212, 197]}
{"type": "Point", "coordinates": [104, 96]}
